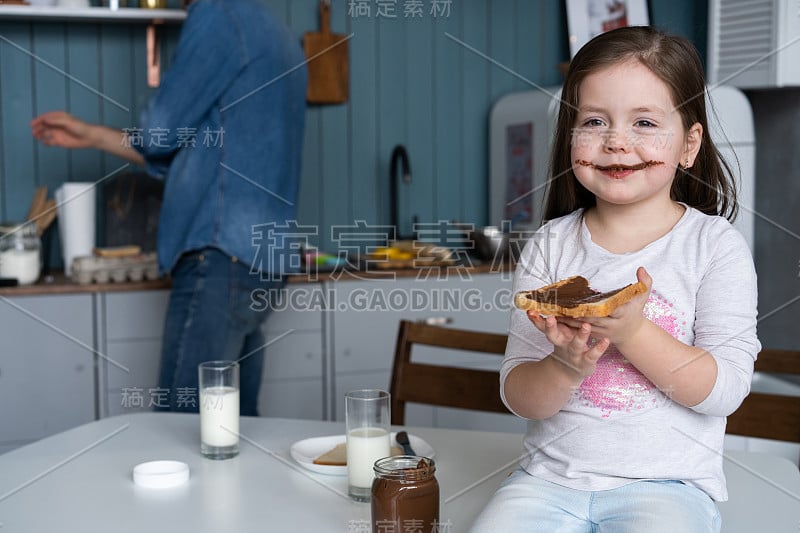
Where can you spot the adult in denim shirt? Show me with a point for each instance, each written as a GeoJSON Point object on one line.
{"type": "Point", "coordinates": [225, 130]}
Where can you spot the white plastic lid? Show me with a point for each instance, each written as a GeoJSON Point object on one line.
{"type": "Point", "coordinates": [161, 474]}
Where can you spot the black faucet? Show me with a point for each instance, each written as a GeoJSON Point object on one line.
{"type": "Point", "coordinates": [399, 154]}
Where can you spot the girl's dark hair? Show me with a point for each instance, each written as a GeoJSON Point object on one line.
{"type": "Point", "coordinates": [708, 185]}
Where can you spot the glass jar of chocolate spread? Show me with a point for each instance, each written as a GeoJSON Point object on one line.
{"type": "Point", "coordinates": [405, 495]}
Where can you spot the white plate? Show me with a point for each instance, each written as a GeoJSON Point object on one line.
{"type": "Point", "coordinates": [305, 451]}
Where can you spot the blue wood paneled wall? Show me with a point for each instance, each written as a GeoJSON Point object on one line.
{"type": "Point", "coordinates": [426, 82]}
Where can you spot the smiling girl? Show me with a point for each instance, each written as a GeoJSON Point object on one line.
{"type": "Point", "coordinates": [627, 412]}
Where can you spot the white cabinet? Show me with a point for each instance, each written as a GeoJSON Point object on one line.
{"type": "Point", "coordinates": [47, 381]}
{"type": "Point", "coordinates": [130, 339]}
{"type": "Point", "coordinates": [365, 323]}
{"type": "Point", "coordinates": [366, 314]}
{"type": "Point", "coordinates": [293, 383]}
{"type": "Point", "coordinates": [130, 328]}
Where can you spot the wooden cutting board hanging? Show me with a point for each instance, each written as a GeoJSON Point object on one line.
{"type": "Point", "coordinates": [327, 55]}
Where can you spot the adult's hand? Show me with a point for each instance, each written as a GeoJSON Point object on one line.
{"type": "Point", "coordinates": [58, 128]}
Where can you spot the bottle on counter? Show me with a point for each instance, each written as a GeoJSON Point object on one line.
{"type": "Point", "coordinates": [20, 252]}
{"type": "Point", "coordinates": [405, 495]}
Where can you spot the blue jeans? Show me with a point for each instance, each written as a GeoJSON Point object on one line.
{"type": "Point", "coordinates": [526, 503]}
{"type": "Point", "coordinates": [210, 317]}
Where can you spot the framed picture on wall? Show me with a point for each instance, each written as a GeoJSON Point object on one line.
{"type": "Point", "coordinates": [587, 18]}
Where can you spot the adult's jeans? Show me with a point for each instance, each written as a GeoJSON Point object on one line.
{"type": "Point", "coordinates": [211, 317]}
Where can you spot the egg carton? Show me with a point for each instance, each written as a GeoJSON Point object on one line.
{"type": "Point", "coordinates": [94, 269]}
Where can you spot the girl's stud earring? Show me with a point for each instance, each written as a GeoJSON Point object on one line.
{"type": "Point", "coordinates": [686, 165]}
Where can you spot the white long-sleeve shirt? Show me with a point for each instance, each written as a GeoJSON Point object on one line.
{"type": "Point", "coordinates": [618, 427]}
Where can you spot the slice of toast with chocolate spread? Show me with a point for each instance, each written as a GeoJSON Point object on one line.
{"type": "Point", "coordinates": [574, 298]}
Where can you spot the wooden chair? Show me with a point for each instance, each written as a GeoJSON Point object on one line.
{"type": "Point", "coordinates": [440, 385]}
{"type": "Point", "coordinates": [770, 416]}
{"type": "Point", "coordinates": [767, 416]}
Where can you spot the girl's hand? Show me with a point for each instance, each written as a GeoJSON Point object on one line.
{"type": "Point", "coordinates": [58, 128]}
{"type": "Point", "coordinates": [625, 321]}
{"type": "Point", "coordinates": [570, 344]}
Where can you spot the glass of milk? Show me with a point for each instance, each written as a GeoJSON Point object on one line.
{"type": "Point", "coordinates": [367, 428]}
{"type": "Point", "coordinates": [20, 252]}
{"type": "Point", "coordinates": [219, 409]}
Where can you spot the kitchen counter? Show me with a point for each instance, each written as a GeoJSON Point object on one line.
{"type": "Point", "coordinates": [58, 283]}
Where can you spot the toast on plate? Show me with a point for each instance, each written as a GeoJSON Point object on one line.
{"type": "Point", "coordinates": [337, 456]}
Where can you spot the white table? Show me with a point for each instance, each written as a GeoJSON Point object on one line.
{"type": "Point", "coordinates": [80, 480]}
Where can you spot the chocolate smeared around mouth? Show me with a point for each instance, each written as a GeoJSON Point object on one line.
{"type": "Point", "coordinates": [618, 168]}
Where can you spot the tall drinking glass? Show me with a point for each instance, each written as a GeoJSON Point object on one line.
{"type": "Point", "coordinates": [219, 409]}
{"type": "Point", "coordinates": [367, 428]}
